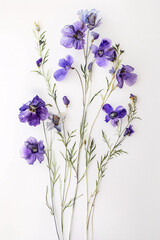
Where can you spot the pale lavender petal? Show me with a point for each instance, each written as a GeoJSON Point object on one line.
{"type": "Point", "coordinates": [101, 61]}
{"type": "Point", "coordinates": [60, 74]}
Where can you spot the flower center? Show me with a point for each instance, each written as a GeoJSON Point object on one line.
{"type": "Point", "coordinates": [113, 115]}
{"type": "Point", "coordinates": [34, 149]}
{"type": "Point", "coordinates": [32, 108]}
{"type": "Point", "coordinates": [100, 53]}
{"type": "Point", "coordinates": [78, 35]}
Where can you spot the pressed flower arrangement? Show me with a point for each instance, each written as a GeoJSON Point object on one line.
{"type": "Point", "coordinates": [81, 37]}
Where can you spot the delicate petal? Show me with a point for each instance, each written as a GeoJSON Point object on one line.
{"type": "Point", "coordinates": [101, 61]}
{"type": "Point", "coordinates": [105, 43]}
{"type": "Point", "coordinates": [42, 113]}
{"type": "Point", "coordinates": [69, 59]}
{"type": "Point", "coordinates": [80, 26]}
{"type": "Point", "coordinates": [24, 115]}
{"type": "Point", "coordinates": [63, 63]}
{"type": "Point", "coordinates": [107, 118]}
{"type": "Point", "coordinates": [130, 81]}
{"type": "Point", "coordinates": [59, 127]}
{"type": "Point", "coordinates": [114, 122]}
{"type": "Point", "coordinates": [78, 44]}
{"type": "Point", "coordinates": [119, 79]}
{"type": "Point", "coordinates": [128, 68]}
{"type": "Point", "coordinates": [67, 41]}
{"type": "Point", "coordinates": [121, 111]}
{"type": "Point", "coordinates": [40, 157]}
{"type": "Point", "coordinates": [68, 30]}
{"type": "Point", "coordinates": [60, 74]}
{"type": "Point", "coordinates": [107, 108]}
{"type": "Point", "coordinates": [94, 49]}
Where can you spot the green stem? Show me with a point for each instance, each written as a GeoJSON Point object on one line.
{"type": "Point", "coordinates": [51, 185]}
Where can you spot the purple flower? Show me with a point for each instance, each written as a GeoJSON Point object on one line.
{"type": "Point", "coordinates": [55, 122]}
{"type": "Point", "coordinates": [90, 18]}
{"type": "Point", "coordinates": [125, 74]}
{"type": "Point", "coordinates": [114, 115]}
{"type": "Point", "coordinates": [73, 35]}
{"type": "Point", "coordinates": [33, 150]}
{"type": "Point", "coordinates": [38, 62]}
{"type": "Point", "coordinates": [94, 35]}
{"type": "Point", "coordinates": [129, 131]}
{"type": "Point", "coordinates": [101, 52]}
{"type": "Point", "coordinates": [66, 101]}
{"type": "Point", "coordinates": [66, 65]}
{"type": "Point", "coordinates": [111, 54]}
{"type": "Point", "coordinates": [33, 112]}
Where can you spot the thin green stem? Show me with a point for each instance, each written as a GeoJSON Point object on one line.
{"type": "Point", "coordinates": [50, 177]}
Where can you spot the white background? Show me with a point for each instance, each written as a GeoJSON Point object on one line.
{"type": "Point", "coordinates": [128, 205]}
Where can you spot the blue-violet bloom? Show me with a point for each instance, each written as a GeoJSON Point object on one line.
{"type": "Point", "coordinates": [125, 74]}
{"type": "Point", "coordinates": [101, 52]}
{"type": "Point", "coordinates": [73, 35]}
{"type": "Point", "coordinates": [65, 65]}
{"type": "Point", "coordinates": [33, 111]}
{"type": "Point", "coordinates": [89, 18]}
{"type": "Point", "coordinates": [114, 115]}
{"type": "Point", "coordinates": [33, 150]}
{"type": "Point", "coordinates": [66, 101]}
{"type": "Point", "coordinates": [38, 62]}
{"type": "Point", "coordinates": [129, 131]}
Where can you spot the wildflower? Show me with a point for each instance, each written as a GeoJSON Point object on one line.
{"type": "Point", "coordinates": [101, 52]}
{"type": "Point", "coordinates": [66, 101]}
{"type": "Point", "coordinates": [33, 111]}
{"type": "Point", "coordinates": [89, 18]}
{"type": "Point", "coordinates": [128, 131]}
{"type": "Point", "coordinates": [65, 66]}
{"type": "Point", "coordinates": [38, 62]}
{"type": "Point", "coordinates": [55, 122]}
{"type": "Point", "coordinates": [73, 35]}
{"type": "Point", "coordinates": [125, 74]}
{"type": "Point", "coordinates": [33, 150]}
{"type": "Point", "coordinates": [114, 115]}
